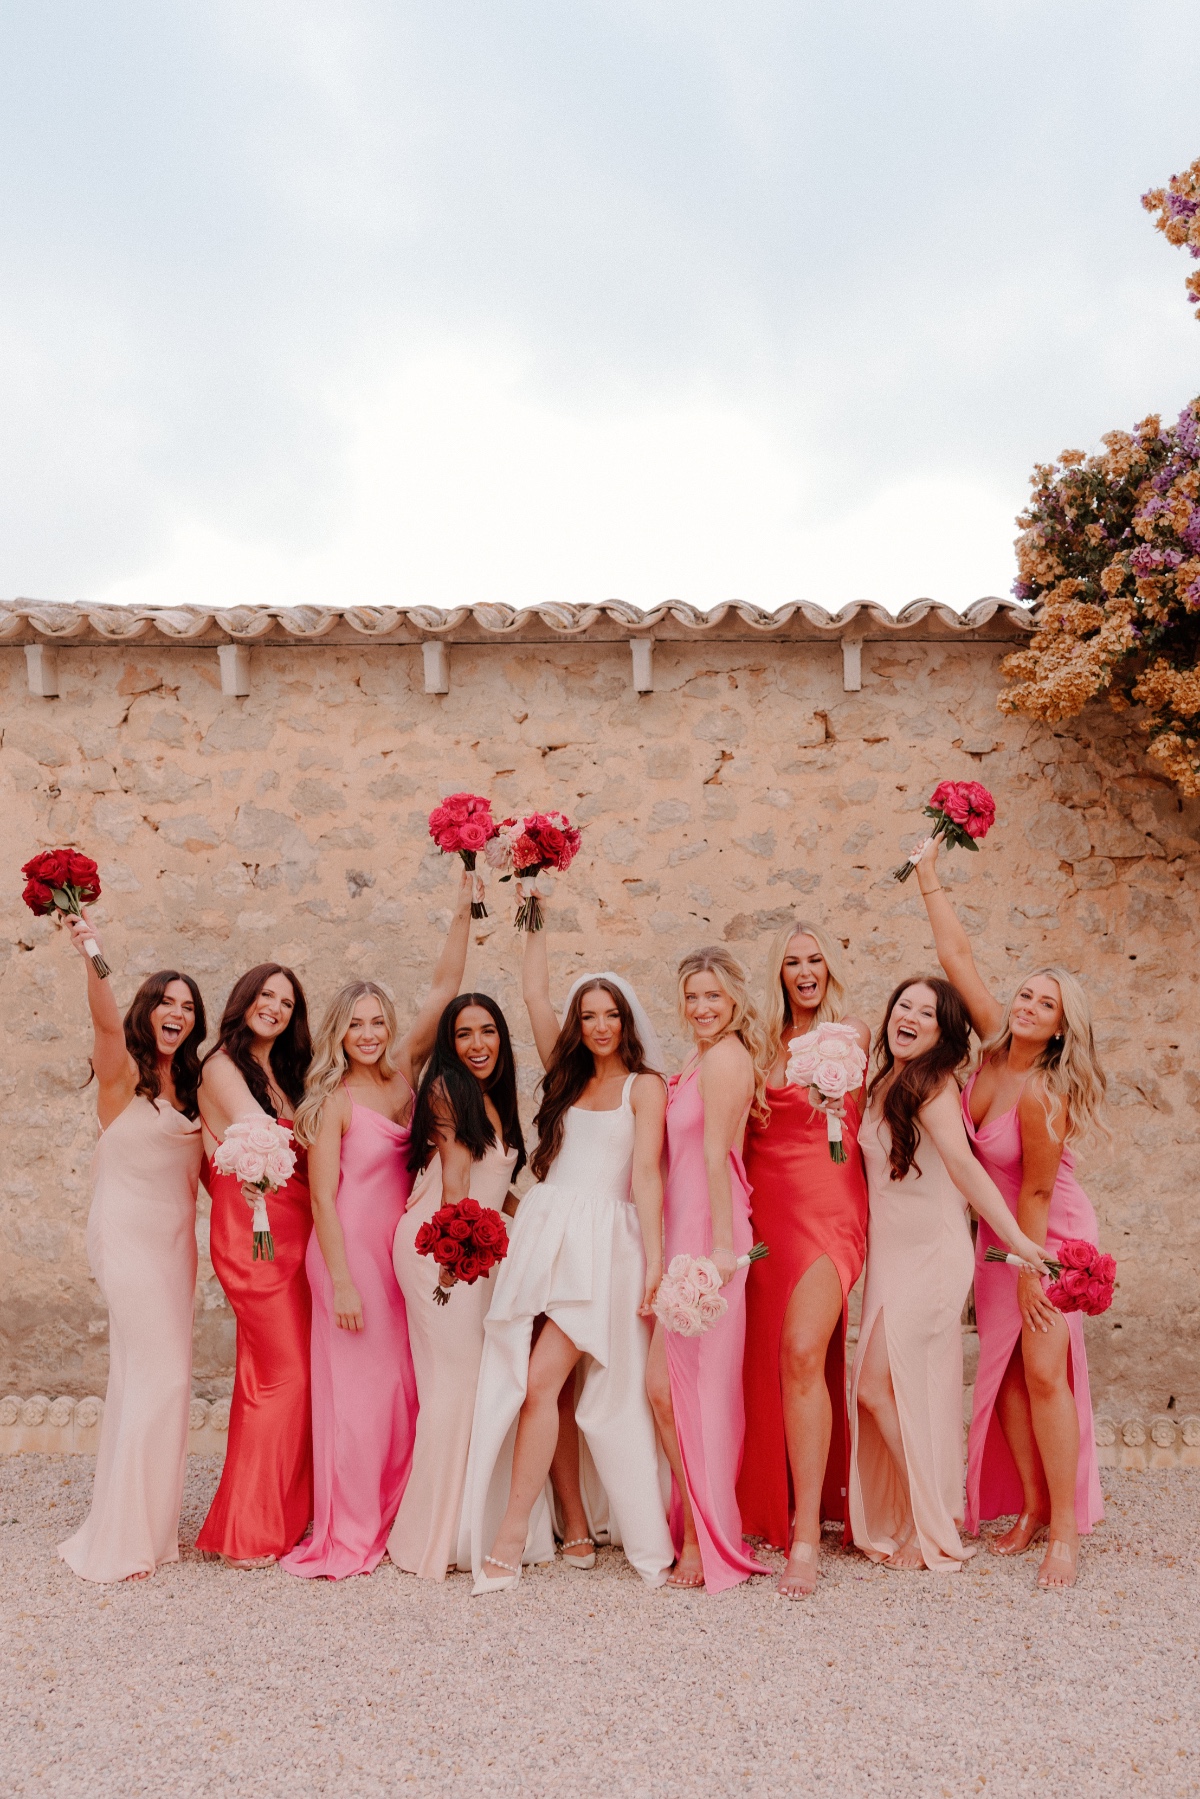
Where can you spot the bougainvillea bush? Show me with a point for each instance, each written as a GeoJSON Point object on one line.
{"type": "Point", "coordinates": [1177, 215]}
{"type": "Point", "coordinates": [1109, 556]}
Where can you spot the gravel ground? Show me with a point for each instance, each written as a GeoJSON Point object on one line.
{"type": "Point", "coordinates": [203, 1681]}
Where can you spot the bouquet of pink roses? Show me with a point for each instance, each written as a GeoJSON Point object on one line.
{"type": "Point", "coordinates": [1082, 1280]}
{"type": "Point", "coordinates": [462, 825]}
{"type": "Point", "coordinates": [525, 848]}
{"type": "Point", "coordinates": [962, 812]}
{"type": "Point", "coordinates": [829, 1061]}
{"type": "Point", "coordinates": [258, 1152]}
{"type": "Point", "coordinates": [689, 1300]}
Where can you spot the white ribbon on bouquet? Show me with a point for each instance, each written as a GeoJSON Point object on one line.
{"type": "Point", "coordinates": [537, 886]}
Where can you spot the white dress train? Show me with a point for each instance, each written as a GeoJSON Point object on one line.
{"type": "Point", "coordinates": [576, 1255]}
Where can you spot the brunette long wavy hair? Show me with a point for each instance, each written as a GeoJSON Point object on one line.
{"type": "Point", "coordinates": [910, 1085]}
{"type": "Point", "coordinates": [142, 1044]}
{"type": "Point", "coordinates": [291, 1051]}
{"type": "Point", "coordinates": [446, 1080]}
{"type": "Point", "coordinates": [571, 1067]}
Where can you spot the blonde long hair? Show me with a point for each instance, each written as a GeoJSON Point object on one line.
{"type": "Point", "coordinates": [1070, 1068]}
{"type": "Point", "coordinates": [327, 1070]}
{"type": "Point", "coordinates": [745, 1024]}
{"type": "Point", "coordinates": [776, 1013]}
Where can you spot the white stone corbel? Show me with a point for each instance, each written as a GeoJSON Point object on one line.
{"type": "Point", "coordinates": [437, 667]}
{"type": "Point", "coordinates": [41, 669]}
{"type": "Point", "coordinates": [235, 669]}
{"type": "Point", "coordinates": [852, 664]}
{"type": "Point", "coordinates": [643, 664]}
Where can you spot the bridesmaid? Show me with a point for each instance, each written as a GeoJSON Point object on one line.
{"type": "Point", "coordinates": [263, 1504]}
{"type": "Point", "coordinates": [564, 1320]}
{"type": "Point", "coordinates": [466, 1140]}
{"type": "Point", "coordinates": [813, 1213]}
{"type": "Point", "coordinates": [354, 1121]}
{"type": "Point", "coordinates": [695, 1383]}
{"type": "Point", "coordinates": [906, 1460]}
{"type": "Point", "coordinates": [1039, 1086]}
{"type": "Point", "coordinates": [141, 1244]}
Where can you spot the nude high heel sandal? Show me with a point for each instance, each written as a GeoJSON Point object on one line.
{"type": "Point", "coordinates": [504, 1583]}
{"type": "Point", "coordinates": [581, 1563]}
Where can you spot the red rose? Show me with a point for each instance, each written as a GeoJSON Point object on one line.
{"type": "Point", "coordinates": [1074, 1283]}
{"type": "Point", "coordinates": [458, 807]}
{"type": "Point", "coordinates": [459, 1230]}
{"type": "Point", "coordinates": [501, 1249]}
{"type": "Point", "coordinates": [425, 1239]}
{"type": "Point", "coordinates": [469, 1269]}
{"type": "Point", "coordinates": [83, 874]}
{"type": "Point", "coordinates": [1098, 1298]}
{"type": "Point", "coordinates": [489, 1230]}
{"type": "Point", "coordinates": [446, 1252]}
{"type": "Point", "coordinates": [469, 1208]}
{"type": "Point", "coordinates": [1075, 1253]}
{"type": "Point", "coordinates": [38, 898]}
{"type": "Point", "coordinates": [445, 1215]}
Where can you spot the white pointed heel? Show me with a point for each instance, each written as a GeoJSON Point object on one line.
{"type": "Point", "coordinates": [581, 1563]}
{"type": "Point", "coordinates": [504, 1583]}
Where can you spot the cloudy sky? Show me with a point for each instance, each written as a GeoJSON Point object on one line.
{"type": "Point", "coordinates": [367, 302]}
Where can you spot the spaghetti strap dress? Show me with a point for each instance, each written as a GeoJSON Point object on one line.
{"type": "Point", "coordinates": [575, 1255]}
{"type": "Point", "coordinates": [364, 1391]}
{"type": "Point", "coordinates": [706, 1371]}
{"type": "Point", "coordinates": [919, 1267]}
{"type": "Point", "coordinates": [993, 1484]}
{"type": "Point", "coordinates": [141, 1245]}
{"type": "Point", "coordinates": [803, 1206]}
{"type": "Point", "coordinates": [264, 1502]}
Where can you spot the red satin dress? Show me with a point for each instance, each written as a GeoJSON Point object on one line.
{"type": "Point", "coordinates": [803, 1206]}
{"type": "Point", "coordinates": [264, 1503]}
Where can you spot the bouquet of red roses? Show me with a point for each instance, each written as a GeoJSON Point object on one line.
{"type": "Point", "coordinates": [962, 812]}
{"type": "Point", "coordinates": [64, 881]}
{"type": "Point", "coordinates": [465, 1240]}
{"type": "Point", "coordinates": [525, 848]}
{"type": "Point", "coordinates": [1082, 1280]}
{"type": "Point", "coordinates": [462, 825]}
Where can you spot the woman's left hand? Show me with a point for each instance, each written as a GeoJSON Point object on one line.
{"type": "Point", "coordinates": [1037, 1314]}
{"type": "Point", "coordinates": [725, 1262]}
{"type": "Point", "coordinates": [447, 1278]}
{"type": "Point", "coordinates": [654, 1274]}
{"type": "Point", "coordinates": [250, 1194]}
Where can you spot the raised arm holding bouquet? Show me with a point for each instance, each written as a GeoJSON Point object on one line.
{"type": "Point", "coordinates": [462, 825]}
{"type": "Point", "coordinates": [62, 882]}
{"type": "Point", "coordinates": [963, 812]}
{"type": "Point", "coordinates": [1038, 1088]}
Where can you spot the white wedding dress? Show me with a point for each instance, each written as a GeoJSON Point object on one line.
{"type": "Point", "coordinates": [575, 1254]}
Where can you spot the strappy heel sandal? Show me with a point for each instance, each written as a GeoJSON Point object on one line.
{"type": "Point", "coordinates": [803, 1552]}
{"type": "Point", "coordinates": [581, 1563]}
{"type": "Point", "coordinates": [504, 1583]}
{"type": "Point", "coordinates": [1058, 1551]}
{"type": "Point", "coordinates": [1040, 1527]}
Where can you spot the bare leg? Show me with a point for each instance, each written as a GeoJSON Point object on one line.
{"type": "Point", "coordinates": [550, 1365]}
{"type": "Point", "coordinates": [1046, 1356]}
{"type": "Point", "coordinates": [689, 1569]}
{"type": "Point", "coordinates": [813, 1313]}
{"type": "Point", "coordinates": [564, 1469]}
{"type": "Point", "coordinates": [877, 1395]}
{"type": "Point", "coordinates": [1016, 1421]}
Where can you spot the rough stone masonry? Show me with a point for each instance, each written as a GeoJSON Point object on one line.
{"type": "Point", "coordinates": [255, 783]}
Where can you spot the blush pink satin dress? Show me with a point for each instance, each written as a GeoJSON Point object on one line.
{"type": "Point", "coordinates": [706, 1371]}
{"type": "Point", "coordinates": [993, 1484]}
{"type": "Point", "coordinates": [364, 1391]}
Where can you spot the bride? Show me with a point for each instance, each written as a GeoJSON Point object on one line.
{"type": "Point", "coordinates": [571, 1298]}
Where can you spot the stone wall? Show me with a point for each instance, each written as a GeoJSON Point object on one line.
{"type": "Point", "coordinates": [748, 785]}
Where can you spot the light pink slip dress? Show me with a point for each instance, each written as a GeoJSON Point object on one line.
{"type": "Point", "coordinates": [364, 1391]}
{"type": "Point", "coordinates": [993, 1484]}
{"type": "Point", "coordinates": [706, 1371]}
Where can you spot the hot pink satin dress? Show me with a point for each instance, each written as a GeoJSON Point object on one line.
{"type": "Point", "coordinates": [993, 1484]}
{"type": "Point", "coordinates": [706, 1371]}
{"type": "Point", "coordinates": [364, 1391]}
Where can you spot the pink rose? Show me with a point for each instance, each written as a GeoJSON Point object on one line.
{"type": "Point", "coordinates": [1075, 1253]}
{"type": "Point", "coordinates": [1074, 1283]}
{"type": "Point", "coordinates": [711, 1308]}
{"type": "Point", "coordinates": [1098, 1298]}
{"type": "Point", "coordinates": [705, 1275]}
{"type": "Point", "coordinates": [473, 835]}
{"type": "Point", "coordinates": [1106, 1269]}
{"type": "Point", "coordinates": [832, 1079]}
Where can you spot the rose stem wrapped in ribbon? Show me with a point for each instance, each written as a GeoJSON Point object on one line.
{"type": "Point", "coordinates": [258, 1152]}
{"type": "Point", "coordinates": [829, 1061]}
{"type": "Point", "coordinates": [525, 848]}
{"type": "Point", "coordinates": [962, 812]}
{"type": "Point", "coordinates": [465, 1240]}
{"type": "Point", "coordinates": [462, 825]}
{"type": "Point", "coordinates": [64, 881]}
{"type": "Point", "coordinates": [1082, 1280]}
{"type": "Point", "coordinates": [689, 1299]}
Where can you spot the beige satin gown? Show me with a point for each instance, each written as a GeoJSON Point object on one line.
{"type": "Point", "coordinates": [920, 1262]}
{"type": "Point", "coordinates": [141, 1245]}
{"type": "Point", "coordinates": [447, 1347]}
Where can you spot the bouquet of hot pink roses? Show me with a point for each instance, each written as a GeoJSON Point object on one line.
{"type": "Point", "coordinates": [258, 1152]}
{"type": "Point", "coordinates": [1082, 1280]}
{"type": "Point", "coordinates": [525, 848]}
{"type": "Point", "coordinates": [462, 825]}
{"type": "Point", "coordinates": [829, 1061]}
{"type": "Point", "coordinates": [962, 812]}
{"type": "Point", "coordinates": [689, 1300]}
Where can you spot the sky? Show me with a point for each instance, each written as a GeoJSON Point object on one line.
{"type": "Point", "coordinates": [359, 302]}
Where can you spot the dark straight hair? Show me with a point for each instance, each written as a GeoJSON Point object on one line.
{"type": "Point", "coordinates": [916, 1082]}
{"type": "Point", "coordinates": [291, 1051]}
{"type": "Point", "coordinates": [447, 1081]}
{"type": "Point", "coordinates": [572, 1066]}
{"type": "Point", "coordinates": [142, 1044]}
